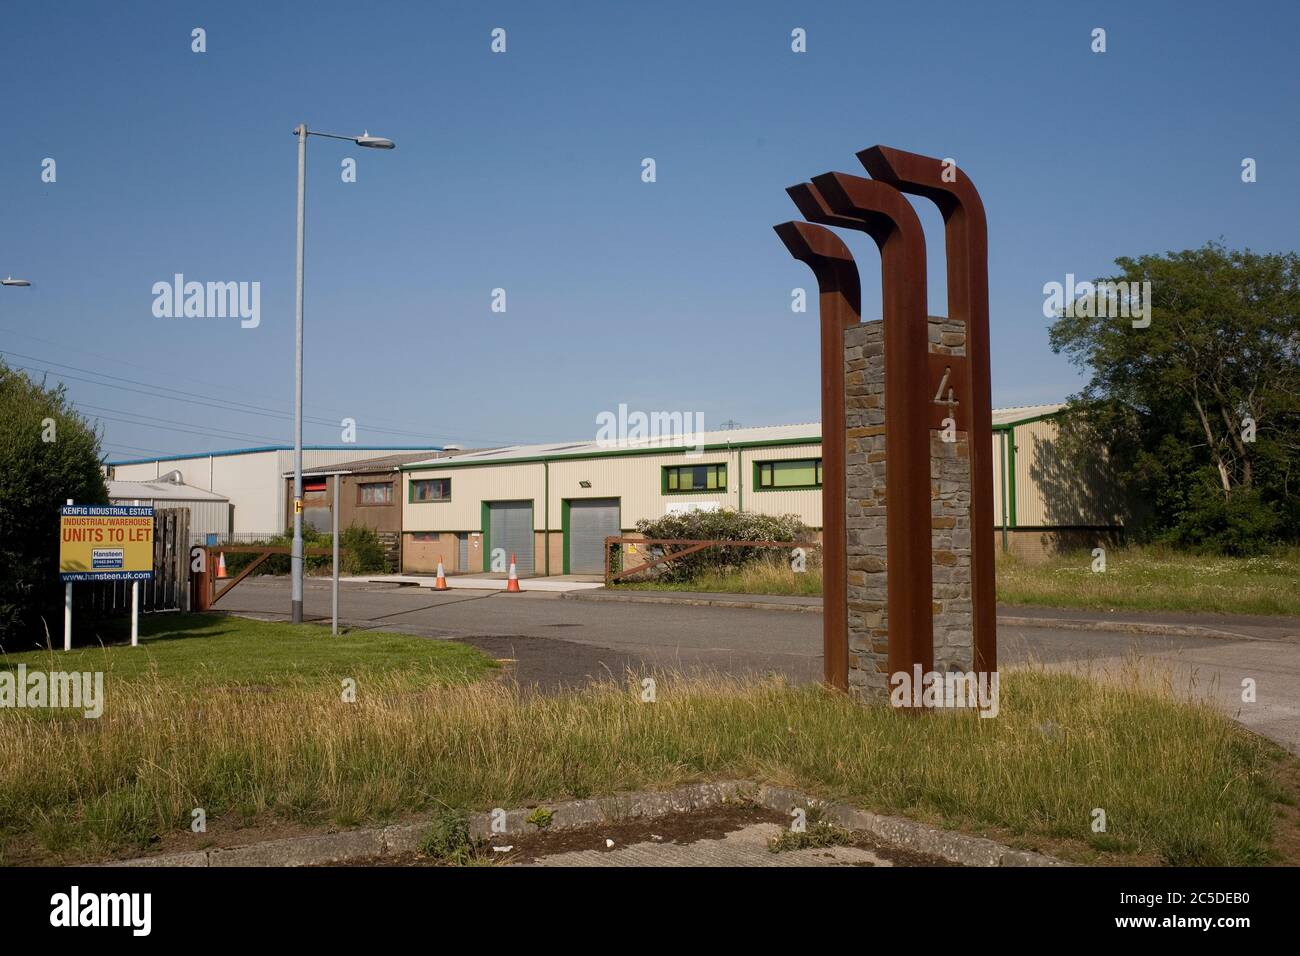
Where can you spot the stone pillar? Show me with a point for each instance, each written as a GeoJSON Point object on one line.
{"type": "Point", "coordinates": [950, 538]}
{"type": "Point", "coordinates": [867, 514]}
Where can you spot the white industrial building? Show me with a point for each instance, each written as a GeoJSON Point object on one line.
{"type": "Point", "coordinates": [552, 505]}
{"type": "Point", "coordinates": [248, 478]}
{"type": "Point", "coordinates": [209, 512]}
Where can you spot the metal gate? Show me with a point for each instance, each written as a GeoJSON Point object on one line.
{"type": "Point", "coordinates": [591, 521]}
{"type": "Point", "coordinates": [462, 553]}
{"type": "Point", "coordinates": [510, 529]}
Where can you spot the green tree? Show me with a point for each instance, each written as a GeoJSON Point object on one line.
{"type": "Point", "coordinates": [1199, 412]}
{"type": "Point", "coordinates": [48, 453]}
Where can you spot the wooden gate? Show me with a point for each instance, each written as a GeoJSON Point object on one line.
{"type": "Point", "coordinates": [169, 589]}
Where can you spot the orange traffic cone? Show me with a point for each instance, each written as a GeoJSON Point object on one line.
{"type": "Point", "coordinates": [221, 565]}
{"type": "Point", "coordinates": [440, 582]}
{"type": "Point", "coordinates": [512, 579]}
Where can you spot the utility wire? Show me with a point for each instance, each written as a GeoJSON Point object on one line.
{"type": "Point", "coordinates": [226, 404]}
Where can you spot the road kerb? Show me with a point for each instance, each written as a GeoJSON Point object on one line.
{"type": "Point", "coordinates": [378, 843]}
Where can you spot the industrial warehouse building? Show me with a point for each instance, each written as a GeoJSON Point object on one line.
{"type": "Point", "coordinates": [1043, 503]}
{"type": "Point", "coordinates": [369, 497]}
{"type": "Point", "coordinates": [250, 479]}
{"type": "Point", "coordinates": [209, 512]}
{"type": "Point", "coordinates": [553, 505]}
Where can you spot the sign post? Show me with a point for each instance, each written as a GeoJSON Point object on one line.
{"type": "Point", "coordinates": [105, 543]}
{"type": "Point", "coordinates": [67, 603]}
{"type": "Point", "coordinates": [334, 623]}
{"type": "Point", "coordinates": [135, 606]}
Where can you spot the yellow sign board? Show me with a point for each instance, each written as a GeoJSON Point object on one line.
{"type": "Point", "coordinates": [106, 543]}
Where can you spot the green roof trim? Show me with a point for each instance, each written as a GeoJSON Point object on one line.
{"type": "Point", "coordinates": [615, 453]}
{"type": "Point", "coordinates": [1031, 419]}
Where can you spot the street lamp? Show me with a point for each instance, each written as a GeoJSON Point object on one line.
{"type": "Point", "coordinates": [10, 280]}
{"type": "Point", "coordinates": [370, 142]}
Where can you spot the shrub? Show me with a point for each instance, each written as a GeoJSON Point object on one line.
{"type": "Point", "coordinates": [1242, 525]}
{"type": "Point", "coordinates": [722, 525]}
{"type": "Point", "coordinates": [362, 553]}
{"type": "Point", "coordinates": [37, 477]}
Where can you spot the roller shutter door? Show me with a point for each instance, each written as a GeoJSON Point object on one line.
{"type": "Point", "coordinates": [510, 528]}
{"type": "Point", "coordinates": [591, 520]}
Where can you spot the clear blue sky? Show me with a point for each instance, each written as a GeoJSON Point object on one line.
{"type": "Point", "coordinates": [522, 171]}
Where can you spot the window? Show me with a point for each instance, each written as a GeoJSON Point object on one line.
{"type": "Point", "coordinates": [375, 493]}
{"type": "Point", "coordinates": [795, 473]}
{"type": "Point", "coordinates": [425, 537]}
{"type": "Point", "coordinates": [431, 489]}
{"type": "Point", "coordinates": [682, 478]}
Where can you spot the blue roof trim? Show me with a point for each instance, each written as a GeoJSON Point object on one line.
{"type": "Point", "coordinates": [260, 448]}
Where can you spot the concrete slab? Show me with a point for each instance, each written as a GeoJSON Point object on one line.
{"type": "Point", "coordinates": [744, 847]}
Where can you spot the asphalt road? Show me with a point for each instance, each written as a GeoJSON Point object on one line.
{"type": "Point", "coordinates": [549, 642]}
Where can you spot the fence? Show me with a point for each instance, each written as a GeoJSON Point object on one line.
{"type": "Point", "coordinates": [254, 538]}
{"type": "Point", "coordinates": [169, 588]}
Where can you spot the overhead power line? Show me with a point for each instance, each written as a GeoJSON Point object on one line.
{"type": "Point", "coordinates": [118, 361]}
{"type": "Point", "coordinates": [180, 396]}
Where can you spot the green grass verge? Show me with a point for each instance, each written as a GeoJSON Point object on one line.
{"type": "Point", "coordinates": [214, 651]}
{"type": "Point", "coordinates": [1137, 578]}
{"type": "Point", "coordinates": [1180, 783]}
{"type": "Point", "coordinates": [1157, 579]}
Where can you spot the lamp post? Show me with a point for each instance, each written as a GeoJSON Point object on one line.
{"type": "Point", "coordinates": [11, 281]}
{"type": "Point", "coordinates": [370, 142]}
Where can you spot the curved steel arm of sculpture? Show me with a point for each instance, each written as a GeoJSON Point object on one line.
{"type": "Point", "coordinates": [966, 246]}
{"type": "Point", "coordinates": [840, 308]}
{"type": "Point", "coordinates": [831, 262]}
{"type": "Point", "coordinates": [813, 207]}
{"type": "Point", "coordinates": [883, 212]}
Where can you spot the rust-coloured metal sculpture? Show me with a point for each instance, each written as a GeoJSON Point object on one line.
{"type": "Point", "coordinates": [921, 389]}
{"type": "Point", "coordinates": [885, 214]}
{"type": "Point", "coordinates": [966, 247]}
{"type": "Point", "coordinates": [840, 303]}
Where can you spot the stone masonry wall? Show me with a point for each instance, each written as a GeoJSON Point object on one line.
{"type": "Point", "coordinates": [950, 540]}
{"type": "Point", "coordinates": [866, 513]}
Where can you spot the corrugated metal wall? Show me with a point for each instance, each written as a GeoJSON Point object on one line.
{"type": "Point", "coordinates": [634, 479]}
{"type": "Point", "coordinates": [998, 498]}
{"type": "Point", "coordinates": [470, 487]}
{"type": "Point", "coordinates": [1053, 492]}
{"type": "Point", "coordinates": [806, 504]}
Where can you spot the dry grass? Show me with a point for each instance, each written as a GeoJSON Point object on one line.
{"type": "Point", "coordinates": [1136, 578]}
{"type": "Point", "coordinates": [762, 576]}
{"type": "Point", "coordinates": [1179, 782]}
{"type": "Point", "coordinates": [1157, 579]}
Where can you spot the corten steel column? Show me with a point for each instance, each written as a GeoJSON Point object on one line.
{"type": "Point", "coordinates": [840, 307]}
{"type": "Point", "coordinates": [885, 214]}
{"type": "Point", "coordinates": [966, 246]}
